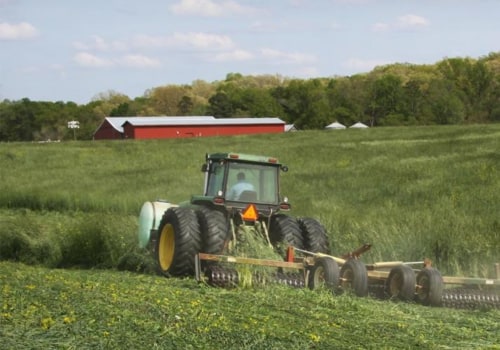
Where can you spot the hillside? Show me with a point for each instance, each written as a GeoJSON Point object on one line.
{"type": "Point", "coordinates": [411, 192]}
{"type": "Point", "coordinates": [70, 210]}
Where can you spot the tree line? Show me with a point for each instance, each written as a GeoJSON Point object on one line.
{"type": "Point", "coordinates": [451, 91]}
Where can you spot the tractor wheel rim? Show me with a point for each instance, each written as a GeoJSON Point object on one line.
{"type": "Point", "coordinates": [166, 247]}
{"type": "Point", "coordinates": [423, 291]}
{"type": "Point", "coordinates": [319, 276]}
{"type": "Point", "coordinates": [395, 285]}
{"type": "Point", "coordinates": [348, 277]}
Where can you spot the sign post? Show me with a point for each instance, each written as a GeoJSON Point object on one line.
{"type": "Point", "coordinates": [74, 124]}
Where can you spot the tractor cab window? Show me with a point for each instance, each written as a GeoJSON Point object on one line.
{"type": "Point", "coordinates": [215, 178]}
{"type": "Point", "coordinates": [252, 183]}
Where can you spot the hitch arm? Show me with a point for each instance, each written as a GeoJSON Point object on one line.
{"type": "Point", "coordinates": [357, 253]}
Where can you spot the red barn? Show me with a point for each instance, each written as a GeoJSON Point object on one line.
{"type": "Point", "coordinates": [172, 127]}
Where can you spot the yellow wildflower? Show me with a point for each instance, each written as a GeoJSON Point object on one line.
{"type": "Point", "coordinates": [314, 337]}
{"type": "Point", "coordinates": [47, 322]}
{"type": "Point", "coordinates": [68, 319]}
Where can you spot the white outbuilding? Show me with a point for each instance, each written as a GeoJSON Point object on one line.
{"type": "Point", "coordinates": [359, 125]}
{"type": "Point", "coordinates": [335, 126]}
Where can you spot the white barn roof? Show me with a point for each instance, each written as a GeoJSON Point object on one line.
{"type": "Point", "coordinates": [142, 121]}
{"type": "Point", "coordinates": [117, 122]}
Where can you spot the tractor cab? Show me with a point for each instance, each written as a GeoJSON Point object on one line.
{"type": "Point", "coordinates": [235, 180]}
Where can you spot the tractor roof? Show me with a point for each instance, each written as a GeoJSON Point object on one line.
{"type": "Point", "coordinates": [242, 157]}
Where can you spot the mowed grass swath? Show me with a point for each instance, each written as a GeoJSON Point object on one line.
{"type": "Point", "coordinates": [411, 192]}
{"type": "Point", "coordinates": [102, 309]}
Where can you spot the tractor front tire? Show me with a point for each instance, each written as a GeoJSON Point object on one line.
{"type": "Point", "coordinates": [178, 242]}
{"type": "Point", "coordinates": [315, 236]}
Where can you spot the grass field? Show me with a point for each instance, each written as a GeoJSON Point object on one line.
{"type": "Point", "coordinates": [77, 309]}
{"type": "Point", "coordinates": [411, 192]}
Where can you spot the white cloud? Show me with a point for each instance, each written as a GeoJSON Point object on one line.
{"type": "Point", "coordinates": [202, 40]}
{"type": "Point", "coordinates": [209, 8]}
{"type": "Point", "coordinates": [236, 55]}
{"type": "Point", "coordinates": [98, 43]}
{"type": "Point", "coordinates": [380, 27]}
{"type": "Point", "coordinates": [286, 57]}
{"type": "Point", "coordinates": [363, 65]}
{"type": "Point", "coordinates": [411, 21]}
{"type": "Point", "coordinates": [139, 61]}
{"type": "Point", "coordinates": [402, 22]}
{"type": "Point", "coordinates": [18, 31]}
{"type": "Point", "coordinates": [197, 40]}
{"type": "Point", "coordinates": [86, 59]}
{"type": "Point", "coordinates": [148, 42]}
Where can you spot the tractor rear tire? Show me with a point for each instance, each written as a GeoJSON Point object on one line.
{"type": "Point", "coordinates": [285, 230]}
{"type": "Point", "coordinates": [315, 236]}
{"type": "Point", "coordinates": [429, 287]}
{"type": "Point", "coordinates": [214, 228]}
{"type": "Point", "coordinates": [401, 283]}
{"type": "Point", "coordinates": [178, 242]}
{"type": "Point", "coordinates": [353, 277]}
{"type": "Point", "coordinates": [324, 274]}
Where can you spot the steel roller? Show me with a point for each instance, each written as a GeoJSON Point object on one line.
{"type": "Point", "coordinates": [457, 298]}
{"type": "Point", "coordinates": [219, 276]}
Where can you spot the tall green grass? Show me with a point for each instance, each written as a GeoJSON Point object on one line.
{"type": "Point", "coordinates": [411, 192]}
{"type": "Point", "coordinates": [70, 239]}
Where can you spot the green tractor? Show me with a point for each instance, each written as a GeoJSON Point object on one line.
{"type": "Point", "coordinates": [240, 191]}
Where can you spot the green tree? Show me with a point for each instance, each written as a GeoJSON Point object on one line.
{"type": "Point", "coordinates": [306, 103]}
{"type": "Point", "coordinates": [17, 121]}
{"type": "Point", "coordinates": [445, 103]}
{"type": "Point", "coordinates": [476, 83]}
{"type": "Point", "coordinates": [121, 110]}
{"type": "Point", "coordinates": [167, 99]}
{"type": "Point", "coordinates": [347, 98]}
{"type": "Point", "coordinates": [108, 101]}
{"type": "Point", "coordinates": [386, 98]}
{"type": "Point", "coordinates": [185, 105]}
{"type": "Point", "coordinates": [220, 106]}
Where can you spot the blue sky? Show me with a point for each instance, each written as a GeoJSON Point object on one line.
{"type": "Point", "coordinates": [62, 50]}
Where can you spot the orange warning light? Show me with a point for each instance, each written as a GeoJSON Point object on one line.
{"type": "Point", "coordinates": [250, 213]}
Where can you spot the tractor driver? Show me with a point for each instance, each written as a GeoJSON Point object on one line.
{"type": "Point", "coordinates": [239, 187]}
